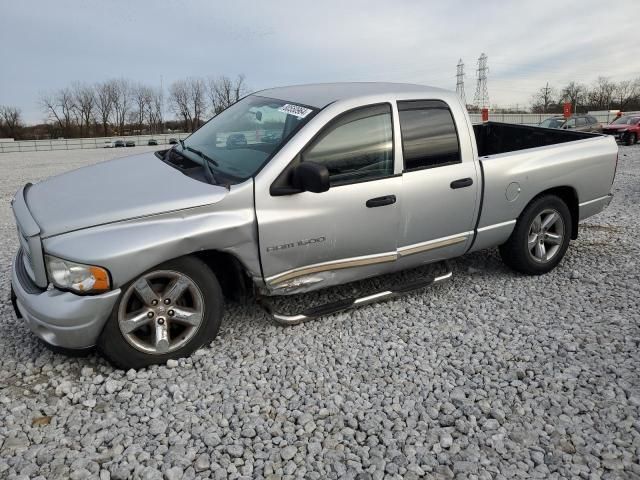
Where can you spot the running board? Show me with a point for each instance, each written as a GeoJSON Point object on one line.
{"type": "Point", "coordinates": [349, 303]}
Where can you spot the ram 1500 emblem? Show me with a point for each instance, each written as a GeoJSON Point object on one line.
{"type": "Point", "coordinates": [299, 243]}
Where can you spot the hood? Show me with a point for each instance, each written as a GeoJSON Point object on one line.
{"type": "Point", "coordinates": [115, 190]}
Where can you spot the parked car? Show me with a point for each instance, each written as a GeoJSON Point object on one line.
{"type": "Point", "coordinates": [108, 144]}
{"type": "Point", "coordinates": [580, 123]}
{"type": "Point", "coordinates": [270, 138]}
{"type": "Point", "coordinates": [130, 143]}
{"type": "Point", "coordinates": [173, 141]}
{"type": "Point", "coordinates": [152, 141]}
{"type": "Point", "coordinates": [625, 129]}
{"type": "Point", "coordinates": [142, 272]}
{"type": "Point", "coordinates": [236, 140]}
{"type": "Point", "coordinates": [119, 143]}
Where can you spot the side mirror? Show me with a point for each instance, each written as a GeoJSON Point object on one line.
{"type": "Point", "coordinates": [310, 177]}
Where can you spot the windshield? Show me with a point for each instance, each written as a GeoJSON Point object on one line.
{"type": "Point", "coordinates": [242, 138]}
{"type": "Point", "coordinates": [552, 123]}
{"type": "Point", "coordinates": [625, 121]}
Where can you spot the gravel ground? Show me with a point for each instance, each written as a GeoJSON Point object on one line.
{"type": "Point", "coordinates": [491, 375]}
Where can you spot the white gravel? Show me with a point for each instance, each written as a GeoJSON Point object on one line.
{"type": "Point", "coordinates": [491, 375]}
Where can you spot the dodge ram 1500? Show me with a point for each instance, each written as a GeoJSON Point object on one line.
{"type": "Point", "coordinates": [136, 255]}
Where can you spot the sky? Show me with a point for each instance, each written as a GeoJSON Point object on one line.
{"type": "Point", "coordinates": [46, 45]}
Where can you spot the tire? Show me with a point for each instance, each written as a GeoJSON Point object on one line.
{"type": "Point", "coordinates": [532, 248]}
{"type": "Point", "coordinates": [140, 332]}
{"type": "Point", "coordinates": [631, 138]}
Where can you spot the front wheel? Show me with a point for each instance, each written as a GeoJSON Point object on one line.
{"type": "Point", "coordinates": [168, 312]}
{"type": "Point", "coordinates": [631, 138]}
{"type": "Point", "coordinates": [540, 238]}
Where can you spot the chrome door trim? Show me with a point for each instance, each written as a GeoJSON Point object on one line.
{"type": "Point", "coordinates": [367, 260]}
{"type": "Point", "coordinates": [497, 225]}
{"type": "Point", "coordinates": [433, 244]}
{"type": "Point", "coordinates": [333, 265]}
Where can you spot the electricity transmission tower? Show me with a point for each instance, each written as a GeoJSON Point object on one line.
{"type": "Point", "coordinates": [460, 82]}
{"type": "Point", "coordinates": [481, 98]}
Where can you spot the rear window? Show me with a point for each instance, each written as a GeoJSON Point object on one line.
{"type": "Point", "coordinates": [429, 137]}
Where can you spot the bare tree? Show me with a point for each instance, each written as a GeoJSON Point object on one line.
{"type": "Point", "coordinates": [156, 109]}
{"type": "Point", "coordinates": [574, 93]}
{"type": "Point", "coordinates": [122, 102]}
{"type": "Point", "coordinates": [179, 102]}
{"type": "Point", "coordinates": [84, 104]}
{"type": "Point", "coordinates": [142, 98]}
{"type": "Point", "coordinates": [105, 99]}
{"type": "Point", "coordinates": [600, 95]}
{"type": "Point", "coordinates": [59, 107]}
{"type": "Point", "coordinates": [10, 121]}
{"type": "Point", "coordinates": [187, 99]}
{"type": "Point", "coordinates": [197, 100]}
{"type": "Point", "coordinates": [626, 92]}
{"type": "Point", "coordinates": [224, 92]}
{"type": "Point", "coordinates": [543, 99]}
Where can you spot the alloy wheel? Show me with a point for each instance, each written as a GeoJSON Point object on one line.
{"type": "Point", "coordinates": [546, 235]}
{"type": "Point", "coordinates": [161, 312]}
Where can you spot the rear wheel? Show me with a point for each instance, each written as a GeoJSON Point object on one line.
{"type": "Point", "coordinates": [540, 238]}
{"type": "Point", "coordinates": [167, 312]}
{"type": "Point", "coordinates": [631, 138]}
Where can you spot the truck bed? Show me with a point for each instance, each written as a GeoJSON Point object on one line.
{"type": "Point", "coordinates": [494, 137]}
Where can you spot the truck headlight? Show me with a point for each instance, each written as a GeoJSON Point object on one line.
{"type": "Point", "coordinates": [76, 276]}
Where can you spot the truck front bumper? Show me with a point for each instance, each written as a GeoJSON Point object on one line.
{"type": "Point", "coordinates": [62, 319]}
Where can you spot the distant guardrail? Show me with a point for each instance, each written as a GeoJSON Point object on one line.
{"type": "Point", "coordinates": [533, 118]}
{"type": "Point", "coordinates": [84, 143]}
{"type": "Point", "coordinates": [163, 139]}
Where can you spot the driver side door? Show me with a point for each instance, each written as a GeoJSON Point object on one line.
{"type": "Point", "coordinates": [348, 232]}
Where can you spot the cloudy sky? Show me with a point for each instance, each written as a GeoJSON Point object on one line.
{"type": "Point", "coordinates": [50, 44]}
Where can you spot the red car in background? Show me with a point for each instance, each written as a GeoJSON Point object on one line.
{"type": "Point", "coordinates": [625, 128]}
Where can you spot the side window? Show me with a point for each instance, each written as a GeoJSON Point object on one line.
{"type": "Point", "coordinates": [592, 120]}
{"type": "Point", "coordinates": [581, 121]}
{"type": "Point", "coordinates": [571, 123]}
{"type": "Point", "coordinates": [429, 137]}
{"type": "Point", "coordinates": [356, 146]}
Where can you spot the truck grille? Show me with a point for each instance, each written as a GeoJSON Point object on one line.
{"type": "Point", "coordinates": [29, 238]}
{"type": "Point", "coordinates": [24, 277]}
{"type": "Point", "coordinates": [25, 255]}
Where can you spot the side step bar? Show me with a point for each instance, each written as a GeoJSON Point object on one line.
{"type": "Point", "coordinates": [348, 303]}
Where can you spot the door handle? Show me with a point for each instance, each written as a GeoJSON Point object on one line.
{"type": "Point", "coordinates": [462, 183]}
{"type": "Point", "coordinates": [381, 201]}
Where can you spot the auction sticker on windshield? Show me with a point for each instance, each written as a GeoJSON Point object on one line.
{"type": "Point", "coordinates": [296, 110]}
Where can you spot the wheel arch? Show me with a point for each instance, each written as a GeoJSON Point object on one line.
{"type": "Point", "coordinates": [570, 197]}
{"type": "Point", "coordinates": [234, 278]}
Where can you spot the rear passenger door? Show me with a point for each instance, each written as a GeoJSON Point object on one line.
{"type": "Point", "coordinates": [439, 187]}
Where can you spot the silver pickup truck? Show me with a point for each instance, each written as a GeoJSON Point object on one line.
{"type": "Point", "coordinates": [290, 190]}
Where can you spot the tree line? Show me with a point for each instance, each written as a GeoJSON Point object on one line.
{"type": "Point", "coordinates": [603, 94]}
{"type": "Point", "coordinates": [121, 107]}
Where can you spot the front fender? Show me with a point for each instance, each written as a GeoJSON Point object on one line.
{"type": "Point", "coordinates": [131, 247]}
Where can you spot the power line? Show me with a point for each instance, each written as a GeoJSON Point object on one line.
{"type": "Point", "coordinates": [481, 98]}
{"type": "Point", "coordinates": [460, 82]}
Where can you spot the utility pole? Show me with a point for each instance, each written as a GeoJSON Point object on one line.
{"type": "Point", "coordinates": [481, 97]}
{"type": "Point", "coordinates": [162, 125]}
{"type": "Point", "coordinates": [546, 95]}
{"type": "Point", "coordinates": [460, 83]}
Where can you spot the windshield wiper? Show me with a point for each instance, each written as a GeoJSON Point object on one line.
{"type": "Point", "coordinates": [201, 155]}
{"type": "Point", "coordinates": [206, 163]}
